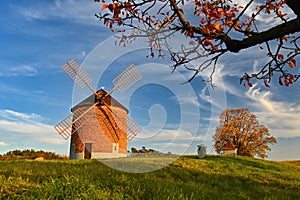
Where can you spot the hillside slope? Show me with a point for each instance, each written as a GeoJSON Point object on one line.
{"type": "Point", "coordinates": [215, 177]}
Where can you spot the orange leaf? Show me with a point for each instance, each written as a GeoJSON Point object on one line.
{"type": "Point", "coordinates": [229, 22]}
{"type": "Point", "coordinates": [286, 82]}
{"type": "Point", "coordinates": [280, 56]}
{"type": "Point", "coordinates": [218, 27]}
{"type": "Point", "coordinates": [292, 79]}
{"type": "Point", "coordinates": [104, 6]}
{"type": "Point", "coordinates": [292, 63]}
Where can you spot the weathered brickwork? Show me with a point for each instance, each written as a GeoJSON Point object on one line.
{"type": "Point", "coordinates": [105, 128]}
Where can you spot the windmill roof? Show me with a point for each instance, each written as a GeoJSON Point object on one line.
{"type": "Point", "coordinates": [92, 99]}
{"type": "Point", "coordinates": [229, 146]}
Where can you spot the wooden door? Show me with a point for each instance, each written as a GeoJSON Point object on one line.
{"type": "Point", "coordinates": [87, 150]}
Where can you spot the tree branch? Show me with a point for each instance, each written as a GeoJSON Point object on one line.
{"type": "Point", "coordinates": [279, 31]}
{"type": "Point", "coordinates": [294, 5]}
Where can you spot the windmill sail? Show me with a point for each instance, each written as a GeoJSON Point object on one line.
{"type": "Point", "coordinates": [73, 122]}
{"type": "Point", "coordinates": [78, 118]}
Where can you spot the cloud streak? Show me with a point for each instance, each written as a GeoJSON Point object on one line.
{"type": "Point", "coordinates": [23, 70]}
{"type": "Point", "coordinates": [66, 10]}
{"type": "Point", "coordinates": [281, 117]}
{"type": "Point", "coordinates": [22, 126]}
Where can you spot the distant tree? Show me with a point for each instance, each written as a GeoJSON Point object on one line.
{"type": "Point", "coordinates": [243, 130]}
{"type": "Point", "coordinates": [213, 28]}
{"type": "Point", "coordinates": [30, 154]}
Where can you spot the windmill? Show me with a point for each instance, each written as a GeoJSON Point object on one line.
{"type": "Point", "coordinates": [99, 126]}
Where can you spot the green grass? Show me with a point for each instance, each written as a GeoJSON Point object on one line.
{"type": "Point", "coordinates": [215, 177]}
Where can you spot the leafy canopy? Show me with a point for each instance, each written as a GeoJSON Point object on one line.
{"type": "Point", "coordinates": [243, 130]}
{"type": "Point", "coordinates": [215, 28]}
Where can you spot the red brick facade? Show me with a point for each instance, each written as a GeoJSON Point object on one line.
{"type": "Point", "coordinates": [104, 133]}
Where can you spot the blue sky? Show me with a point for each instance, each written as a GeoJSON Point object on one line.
{"type": "Point", "coordinates": [37, 37]}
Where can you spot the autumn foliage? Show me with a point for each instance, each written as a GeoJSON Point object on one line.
{"type": "Point", "coordinates": [213, 29]}
{"type": "Point", "coordinates": [243, 130]}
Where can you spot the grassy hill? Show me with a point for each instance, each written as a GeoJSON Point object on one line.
{"type": "Point", "coordinates": [215, 177]}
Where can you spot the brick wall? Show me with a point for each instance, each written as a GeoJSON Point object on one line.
{"type": "Point", "coordinates": [102, 129]}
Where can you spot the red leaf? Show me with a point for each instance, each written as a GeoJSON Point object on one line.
{"type": "Point", "coordinates": [250, 84]}
{"type": "Point", "coordinates": [111, 7]}
{"type": "Point", "coordinates": [285, 38]}
{"type": "Point", "coordinates": [286, 82]}
{"type": "Point", "coordinates": [266, 83]}
{"type": "Point", "coordinates": [280, 80]}
{"type": "Point", "coordinates": [205, 31]}
{"type": "Point", "coordinates": [280, 56]}
{"type": "Point", "coordinates": [234, 10]}
{"type": "Point", "coordinates": [199, 40]}
{"type": "Point", "coordinates": [208, 42]}
{"type": "Point", "coordinates": [202, 21]}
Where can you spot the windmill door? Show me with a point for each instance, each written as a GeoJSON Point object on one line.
{"type": "Point", "coordinates": [87, 150]}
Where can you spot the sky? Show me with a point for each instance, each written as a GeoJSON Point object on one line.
{"type": "Point", "coordinates": [38, 37]}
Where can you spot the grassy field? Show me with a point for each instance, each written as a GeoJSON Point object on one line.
{"type": "Point", "coordinates": [214, 177]}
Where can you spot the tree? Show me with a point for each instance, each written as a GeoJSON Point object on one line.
{"type": "Point", "coordinates": [215, 28]}
{"type": "Point", "coordinates": [243, 130]}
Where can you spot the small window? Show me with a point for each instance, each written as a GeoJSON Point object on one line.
{"type": "Point", "coordinates": [115, 147]}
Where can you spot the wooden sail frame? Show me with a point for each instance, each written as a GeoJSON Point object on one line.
{"type": "Point", "coordinates": [69, 125]}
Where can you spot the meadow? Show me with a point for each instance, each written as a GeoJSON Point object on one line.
{"type": "Point", "coordinates": [215, 177]}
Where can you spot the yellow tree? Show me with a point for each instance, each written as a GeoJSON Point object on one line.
{"type": "Point", "coordinates": [243, 130]}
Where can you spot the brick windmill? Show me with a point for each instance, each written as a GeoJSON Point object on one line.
{"type": "Point", "coordinates": [99, 126]}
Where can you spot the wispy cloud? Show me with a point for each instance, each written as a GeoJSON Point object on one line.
{"type": "Point", "coordinates": [77, 11]}
{"type": "Point", "coordinates": [282, 117]}
{"type": "Point", "coordinates": [23, 70]}
{"type": "Point", "coordinates": [23, 126]}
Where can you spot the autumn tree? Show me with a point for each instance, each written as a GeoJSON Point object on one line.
{"type": "Point", "coordinates": [243, 130]}
{"type": "Point", "coordinates": [214, 29]}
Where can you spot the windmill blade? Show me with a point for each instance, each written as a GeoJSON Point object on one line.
{"type": "Point", "coordinates": [129, 126]}
{"type": "Point", "coordinates": [73, 122]}
{"type": "Point", "coordinates": [132, 128]}
{"type": "Point", "coordinates": [77, 73]}
{"type": "Point", "coordinates": [127, 78]}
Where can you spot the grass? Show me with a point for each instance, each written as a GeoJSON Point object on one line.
{"type": "Point", "coordinates": [214, 177]}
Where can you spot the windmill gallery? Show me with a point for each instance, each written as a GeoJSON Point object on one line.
{"type": "Point", "coordinates": [99, 126]}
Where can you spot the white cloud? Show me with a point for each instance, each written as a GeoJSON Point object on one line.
{"type": "Point", "coordinates": [281, 117]}
{"type": "Point", "coordinates": [23, 126]}
{"type": "Point", "coordinates": [77, 11]}
{"type": "Point", "coordinates": [23, 70]}
{"type": "Point", "coordinates": [3, 144]}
